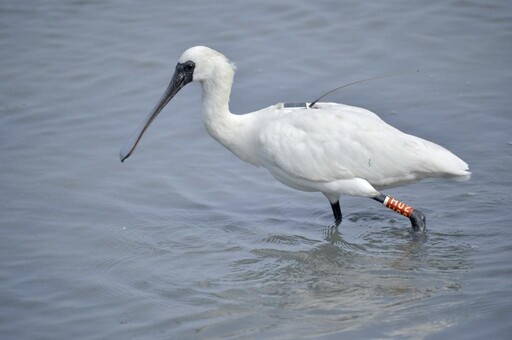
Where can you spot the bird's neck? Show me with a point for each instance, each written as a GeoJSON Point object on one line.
{"type": "Point", "coordinates": [228, 129]}
{"type": "Point", "coordinates": [215, 98]}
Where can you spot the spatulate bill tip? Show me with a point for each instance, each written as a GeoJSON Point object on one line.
{"type": "Point", "coordinates": [123, 157]}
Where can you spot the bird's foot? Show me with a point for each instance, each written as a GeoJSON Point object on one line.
{"type": "Point", "coordinates": [337, 222]}
{"type": "Point", "coordinates": [418, 221]}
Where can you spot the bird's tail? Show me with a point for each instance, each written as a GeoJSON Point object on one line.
{"type": "Point", "coordinates": [451, 166]}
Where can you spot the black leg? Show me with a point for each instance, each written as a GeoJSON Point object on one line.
{"type": "Point", "coordinates": [418, 220]}
{"type": "Point", "coordinates": [381, 198]}
{"type": "Point", "coordinates": [336, 210]}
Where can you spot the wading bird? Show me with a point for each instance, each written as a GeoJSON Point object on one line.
{"type": "Point", "coordinates": [330, 148]}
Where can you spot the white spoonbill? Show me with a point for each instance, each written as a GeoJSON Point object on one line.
{"type": "Point", "coordinates": [331, 148]}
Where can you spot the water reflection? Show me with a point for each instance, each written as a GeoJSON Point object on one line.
{"type": "Point", "coordinates": [386, 263]}
{"type": "Point", "coordinates": [331, 277]}
{"type": "Point", "coordinates": [212, 247]}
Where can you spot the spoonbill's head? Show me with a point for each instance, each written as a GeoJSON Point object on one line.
{"type": "Point", "coordinates": [207, 64]}
{"type": "Point", "coordinates": [198, 63]}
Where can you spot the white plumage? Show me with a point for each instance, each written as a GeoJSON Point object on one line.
{"type": "Point", "coordinates": [331, 148]}
{"type": "Point", "coordinates": [334, 142]}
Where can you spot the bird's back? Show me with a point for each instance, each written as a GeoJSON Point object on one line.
{"type": "Point", "coordinates": [335, 141]}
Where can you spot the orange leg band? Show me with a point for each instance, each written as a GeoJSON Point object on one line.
{"type": "Point", "coordinates": [399, 207]}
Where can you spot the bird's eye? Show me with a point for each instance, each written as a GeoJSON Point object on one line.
{"type": "Point", "coordinates": [189, 66]}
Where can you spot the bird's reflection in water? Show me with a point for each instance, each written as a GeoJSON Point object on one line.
{"type": "Point", "coordinates": [366, 266]}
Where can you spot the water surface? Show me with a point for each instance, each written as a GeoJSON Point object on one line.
{"type": "Point", "coordinates": [184, 240]}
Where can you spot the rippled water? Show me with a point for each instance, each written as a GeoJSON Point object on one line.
{"type": "Point", "coordinates": [184, 240]}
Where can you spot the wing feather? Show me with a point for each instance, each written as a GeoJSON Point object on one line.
{"type": "Point", "coordinates": [336, 142]}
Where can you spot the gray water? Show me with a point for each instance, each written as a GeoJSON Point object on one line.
{"type": "Point", "coordinates": [184, 240]}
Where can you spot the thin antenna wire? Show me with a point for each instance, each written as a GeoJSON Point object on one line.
{"type": "Point", "coordinates": [360, 81]}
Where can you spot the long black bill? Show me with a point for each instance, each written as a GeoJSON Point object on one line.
{"type": "Point", "coordinates": [178, 81]}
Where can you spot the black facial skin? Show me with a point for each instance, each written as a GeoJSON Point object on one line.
{"type": "Point", "coordinates": [185, 69]}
